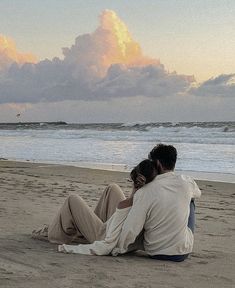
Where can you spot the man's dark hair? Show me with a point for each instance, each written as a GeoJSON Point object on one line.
{"type": "Point", "coordinates": [145, 168]}
{"type": "Point", "coordinates": [165, 154]}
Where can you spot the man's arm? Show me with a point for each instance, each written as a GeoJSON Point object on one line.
{"type": "Point", "coordinates": [192, 187]}
{"type": "Point", "coordinates": [195, 190]}
{"type": "Point", "coordinates": [134, 222]}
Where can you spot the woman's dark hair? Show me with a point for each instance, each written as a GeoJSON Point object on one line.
{"type": "Point", "coordinates": [145, 168]}
{"type": "Point", "coordinates": [165, 154]}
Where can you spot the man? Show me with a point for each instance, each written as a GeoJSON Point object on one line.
{"type": "Point", "coordinates": [163, 210]}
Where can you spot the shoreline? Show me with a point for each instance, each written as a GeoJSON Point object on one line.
{"type": "Point", "coordinates": [197, 175]}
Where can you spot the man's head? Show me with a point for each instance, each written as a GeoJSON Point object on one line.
{"type": "Point", "coordinates": [164, 157]}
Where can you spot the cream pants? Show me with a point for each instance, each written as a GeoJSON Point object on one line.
{"type": "Point", "coordinates": [76, 219]}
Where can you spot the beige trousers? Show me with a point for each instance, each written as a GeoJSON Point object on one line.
{"type": "Point", "coordinates": [76, 219]}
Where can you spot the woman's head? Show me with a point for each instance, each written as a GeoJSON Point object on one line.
{"type": "Point", "coordinates": [147, 169]}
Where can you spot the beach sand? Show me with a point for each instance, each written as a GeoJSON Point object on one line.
{"type": "Point", "coordinates": [31, 194]}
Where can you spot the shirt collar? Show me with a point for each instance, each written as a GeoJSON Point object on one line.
{"type": "Point", "coordinates": [164, 175]}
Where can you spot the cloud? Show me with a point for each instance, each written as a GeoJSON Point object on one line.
{"type": "Point", "coordinates": [10, 55]}
{"type": "Point", "coordinates": [111, 43]}
{"type": "Point", "coordinates": [104, 64]}
{"type": "Point", "coordinates": [151, 80]}
{"type": "Point", "coordinates": [220, 86]}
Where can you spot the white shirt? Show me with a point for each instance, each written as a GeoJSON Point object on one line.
{"type": "Point", "coordinates": [162, 209]}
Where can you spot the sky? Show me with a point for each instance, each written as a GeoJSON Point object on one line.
{"type": "Point", "coordinates": [118, 61]}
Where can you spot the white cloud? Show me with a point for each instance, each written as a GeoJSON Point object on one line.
{"type": "Point", "coordinates": [104, 64]}
{"type": "Point", "coordinates": [10, 55]}
{"type": "Point", "coordinates": [151, 80]}
{"type": "Point", "coordinates": [104, 76]}
{"type": "Point", "coordinates": [220, 86]}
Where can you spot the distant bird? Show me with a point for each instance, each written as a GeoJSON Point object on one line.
{"type": "Point", "coordinates": [18, 115]}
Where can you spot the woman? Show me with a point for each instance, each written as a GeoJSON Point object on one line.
{"type": "Point", "coordinates": [141, 175]}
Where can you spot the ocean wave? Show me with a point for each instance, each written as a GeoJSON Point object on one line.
{"type": "Point", "coordinates": [153, 135]}
{"type": "Point", "coordinates": [207, 146]}
{"type": "Point", "coordinates": [224, 126]}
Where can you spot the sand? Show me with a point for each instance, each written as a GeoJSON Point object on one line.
{"type": "Point", "coordinates": [30, 194]}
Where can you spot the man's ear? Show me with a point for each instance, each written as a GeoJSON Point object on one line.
{"type": "Point", "coordinates": [159, 167]}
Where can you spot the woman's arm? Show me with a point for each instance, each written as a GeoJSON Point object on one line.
{"type": "Point", "coordinates": [125, 203]}
{"type": "Point", "coordinates": [129, 201]}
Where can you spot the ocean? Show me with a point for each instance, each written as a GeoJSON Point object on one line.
{"type": "Point", "coordinates": [202, 146]}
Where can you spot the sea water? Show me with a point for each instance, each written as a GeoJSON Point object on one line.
{"type": "Point", "coordinates": [202, 146]}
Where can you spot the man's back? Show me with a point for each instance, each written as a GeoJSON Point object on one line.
{"type": "Point", "coordinates": [166, 230]}
{"type": "Point", "coordinates": [161, 208]}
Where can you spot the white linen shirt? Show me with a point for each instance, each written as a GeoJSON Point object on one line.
{"type": "Point", "coordinates": [162, 209]}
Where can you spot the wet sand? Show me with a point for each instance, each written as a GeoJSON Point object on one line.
{"type": "Point", "coordinates": [30, 194]}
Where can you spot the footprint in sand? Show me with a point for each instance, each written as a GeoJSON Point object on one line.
{"type": "Point", "coordinates": [208, 217]}
{"type": "Point", "coordinates": [55, 264]}
{"type": "Point", "coordinates": [4, 271]}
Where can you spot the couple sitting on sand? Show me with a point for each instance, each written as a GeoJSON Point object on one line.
{"type": "Point", "coordinates": [158, 217]}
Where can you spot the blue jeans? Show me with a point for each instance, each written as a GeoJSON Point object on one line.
{"type": "Point", "coordinates": [191, 225]}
